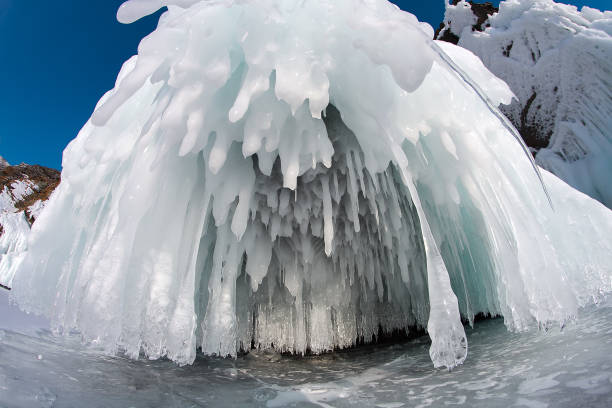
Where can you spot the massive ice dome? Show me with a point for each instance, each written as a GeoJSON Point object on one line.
{"type": "Point", "coordinates": [304, 176]}
{"type": "Point", "coordinates": [558, 62]}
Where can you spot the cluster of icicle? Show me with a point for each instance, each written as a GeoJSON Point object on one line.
{"type": "Point", "coordinates": [558, 62]}
{"type": "Point", "coordinates": [300, 176]}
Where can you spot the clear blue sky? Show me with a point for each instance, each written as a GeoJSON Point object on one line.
{"type": "Point", "coordinates": [59, 57]}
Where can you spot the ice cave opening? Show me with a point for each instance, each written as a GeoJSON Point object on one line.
{"type": "Point", "coordinates": [341, 255]}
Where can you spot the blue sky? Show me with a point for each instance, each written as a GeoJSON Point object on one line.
{"type": "Point", "coordinates": [59, 57]}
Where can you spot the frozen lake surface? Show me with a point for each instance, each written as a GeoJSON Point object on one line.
{"type": "Point", "coordinates": [569, 368]}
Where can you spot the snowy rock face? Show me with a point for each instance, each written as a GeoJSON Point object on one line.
{"type": "Point", "coordinates": [276, 174]}
{"type": "Point", "coordinates": [558, 62]}
{"type": "Point", "coordinates": [24, 191]}
{"type": "Point", "coordinates": [462, 14]}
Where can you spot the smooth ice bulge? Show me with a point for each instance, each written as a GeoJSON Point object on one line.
{"type": "Point", "coordinates": [299, 176]}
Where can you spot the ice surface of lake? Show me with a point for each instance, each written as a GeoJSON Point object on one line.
{"type": "Point", "coordinates": [569, 368]}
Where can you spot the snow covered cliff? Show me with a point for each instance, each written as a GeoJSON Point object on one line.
{"type": "Point", "coordinates": [558, 62]}
{"type": "Point", "coordinates": [24, 191]}
{"type": "Point", "coordinates": [277, 174]}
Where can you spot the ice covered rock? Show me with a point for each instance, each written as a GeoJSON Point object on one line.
{"type": "Point", "coordinates": [461, 14]}
{"type": "Point", "coordinates": [558, 62]}
{"type": "Point", "coordinates": [277, 174]}
{"type": "Point", "coordinates": [24, 191]}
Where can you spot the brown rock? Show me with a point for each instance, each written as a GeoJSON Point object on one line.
{"type": "Point", "coordinates": [44, 178]}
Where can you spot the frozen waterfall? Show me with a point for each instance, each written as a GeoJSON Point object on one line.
{"type": "Point", "coordinates": [300, 176]}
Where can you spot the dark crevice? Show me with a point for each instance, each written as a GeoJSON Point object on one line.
{"type": "Point", "coordinates": [447, 35]}
{"type": "Point", "coordinates": [531, 133]}
{"type": "Point", "coordinates": [507, 50]}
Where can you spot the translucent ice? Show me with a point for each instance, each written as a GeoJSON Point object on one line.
{"type": "Point", "coordinates": [303, 176]}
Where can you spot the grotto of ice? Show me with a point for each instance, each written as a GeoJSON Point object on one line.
{"type": "Point", "coordinates": [299, 175]}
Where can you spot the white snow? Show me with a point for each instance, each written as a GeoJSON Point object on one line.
{"type": "Point", "coordinates": [21, 189]}
{"type": "Point", "coordinates": [299, 175]}
{"type": "Point", "coordinates": [459, 17]}
{"type": "Point", "coordinates": [560, 59]}
{"type": "Point", "coordinates": [35, 209]}
{"type": "Point", "coordinates": [7, 202]}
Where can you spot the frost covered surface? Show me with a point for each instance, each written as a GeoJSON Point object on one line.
{"type": "Point", "coordinates": [279, 175]}
{"type": "Point", "coordinates": [558, 62]}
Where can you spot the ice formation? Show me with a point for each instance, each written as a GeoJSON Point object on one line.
{"type": "Point", "coordinates": [298, 176]}
{"type": "Point", "coordinates": [558, 62]}
{"type": "Point", "coordinates": [24, 191]}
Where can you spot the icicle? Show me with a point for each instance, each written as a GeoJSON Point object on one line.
{"type": "Point", "coordinates": [327, 216]}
